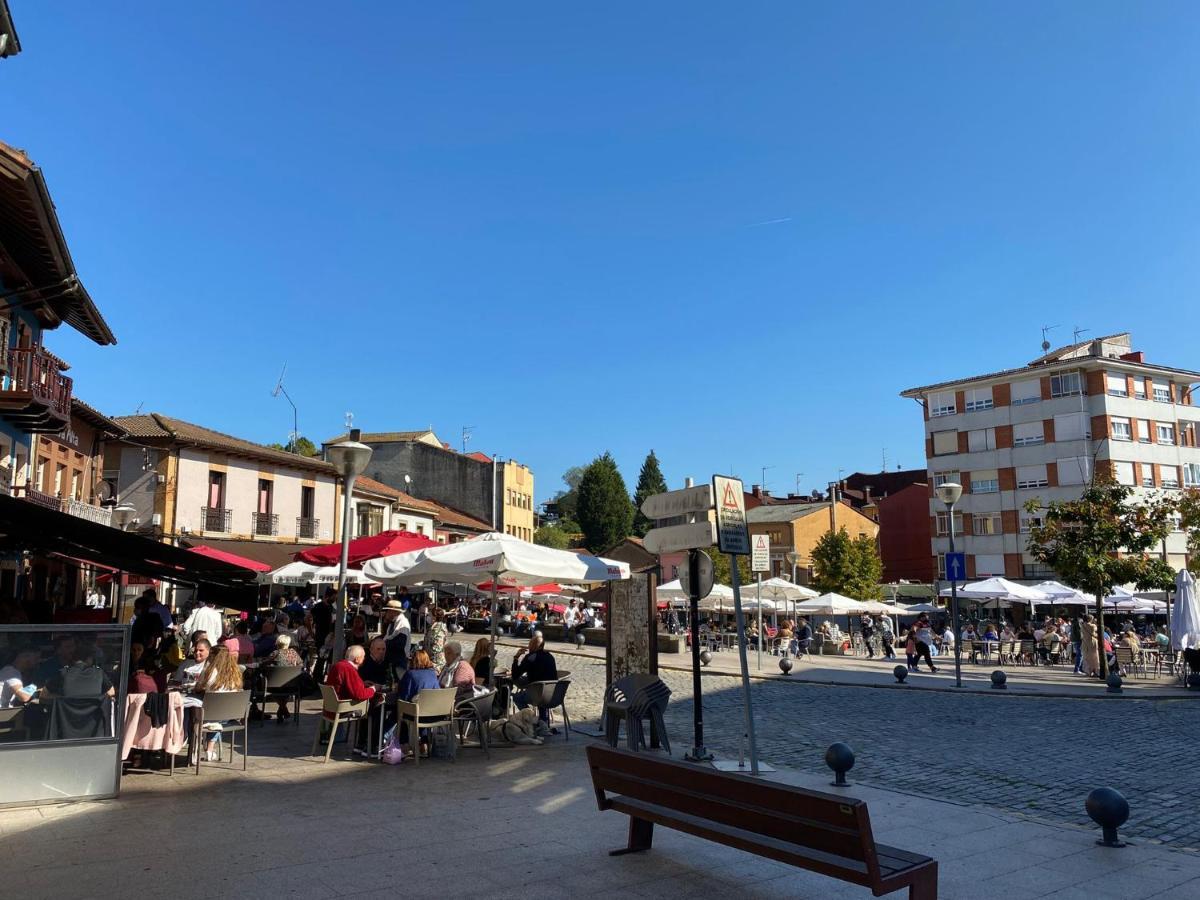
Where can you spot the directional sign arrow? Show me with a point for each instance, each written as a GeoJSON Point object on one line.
{"type": "Point", "coordinates": [680, 537]}
{"type": "Point", "coordinates": [678, 503]}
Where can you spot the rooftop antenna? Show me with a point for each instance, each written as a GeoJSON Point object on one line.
{"type": "Point", "coordinates": [280, 389]}
{"type": "Point", "coordinates": [349, 420]}
{"type": "Point", "coordinates": [1046, 329]}
{"type": "Point", "coordinates": [799, 475]}
{"type": "Point", "coordinates": [138, 411]}
{"type": "Point", "coordinates": [883, 453]}
{"type": "Point", "coordinates": [1079, 331]}
{"type": "Point", "coordinates": [764, 477]}
{"type": "Point", "coordinates": [466, 436]}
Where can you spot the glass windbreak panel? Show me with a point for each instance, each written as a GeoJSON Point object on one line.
{"type": "Point", "coordinates": [60, 684]}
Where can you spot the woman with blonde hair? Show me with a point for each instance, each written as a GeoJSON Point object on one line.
{"type": "Point", "coordinates": [421, 675]}
{"type": "Point", "coordinates": [481, 660]}
{"type": "Point", "coordinates": [221, 674]}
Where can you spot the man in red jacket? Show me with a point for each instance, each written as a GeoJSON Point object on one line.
{"type": "Point", "coordinates": [348, 685]}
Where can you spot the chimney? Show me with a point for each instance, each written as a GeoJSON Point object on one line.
{"type": "Point", "coordinates": [833, 502]}
{"type": "Point", "coordinates": [757, 491]}
{"type": "Point", "coordinates": [355, 434]}
{"type": "Point", "coordinates": [1137, 356]}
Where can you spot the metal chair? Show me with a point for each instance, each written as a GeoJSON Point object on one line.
{"type": "Point", "coordinates": [549, 696]}
{"type": "Point", "coordinates": [277, 683]}
{"type": "Point", "coordinates": [335, 712]}
{"type": "Point", "coordinates": [632, 699]}
{"type": "Point", "coordinates": [431, 708]}
{"type": "Point", "coordinates": [476, 711]}
{"type": "Point", "coordinates": [224, 712]}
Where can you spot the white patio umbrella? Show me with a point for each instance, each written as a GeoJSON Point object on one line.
{"type": "Point", "coordinates": [673, 593]}
{"type": "Point", "coordinates": [1185, 624]}
{"type": "Point", "coordinates": [830, 604]}
{"type": "Point", "coordinates": [1000, 590]}
{"type": "Point", "coordinates": [785, 594]}
{"type": "Point", "coordinates": [498, 558]}
{"type": "Point", "coordinates": [293, 573]}
{"type": "Point", "coordinates": [918, 608]}
{"type": "Point", "coordinates": [1061, 594]}
{"type": "Point", "coordinates": [330, 575]}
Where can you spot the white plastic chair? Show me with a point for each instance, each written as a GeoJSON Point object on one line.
{"type": "Point", "coordinates": [431, 708]}
{"type": "Point", "coordinates": [335, 712]}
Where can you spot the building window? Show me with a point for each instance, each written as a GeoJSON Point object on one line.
{"type": "Point", "coordinates": [1117, 385]}
{"type": "Point", "coordinates": [945, 442]}
{"type": "Point", "coordinates": [985, 481]}
{"type": "Point", "coordinates": [1038, 571]}
{"type": "Point", "coordinates": [987, 523]}
{"type": "Point", "coordinates": [1032, 476]}
{"type": "Point", "coordinates": [989, 564]}
{"type": "Point", "coordinates": [1170, 476]}
{"type": "Point", "coordinates": [979, 398]}
{"type": "Point", "coordinates": [1191, 474]}
{"type": "Point", "coordinates": [1165, 432]}
{"type": "Point", "coordinates": [953, 476]}
{"type": "Point", "coordinates": [1071, 427]}
{"type": "Point", "coordinates": [1066, 384]}
{"type": "Point", "coordinates": [941, 404]}
{"type": "Point", "coordinates": [266, 490]}
{"type": "Point", "coordinates": [1148, 475]}
{"type": "Point", "coordinates": [1144, 431]}
{"type": "Point", "coordinates": [943, 524]}
{"type": "Point", "coordinates": [1121, 430]}
{"type": "Point", "coordinates": [1123, 472]}
{"type": "Point", "coordinates": [1026, 392]}
{"type": "Point", "coordinates": [941, 566]}
{"type": "Point", "coordinates": [1139, 388]}
{"type": "Point", "coordinates": [1028, 433]}
{"type": "Point", "coordinates": [1028, 523]}
{"type": "Point", "coordinates": [1162, 392]}
{"type": "Point", "coordinates": [216, 490]}
{"type": "Point", "coordinates": [981, 439]}
{"type": "Point", "coordinates": [1187, 434]}
{"type": "Point", "coordinates": [1075, 470]}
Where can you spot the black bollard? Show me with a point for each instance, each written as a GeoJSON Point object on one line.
{"type": "Point", "coordinates": [901, 672]}
{"type": "Point", "coordinates": [785, 666]}
{"type": "Point", "coordinates": [705, 657]}
{"type": "Point", "coordinates": [840, 758]}
{"type": "Point", "coordinates": [1114, 682]}
{"type": "Point", "coordinates": [999, 680]}
{"type": "Point", "coordinates": [1109, 810]}
{"type": "Point", "coordinates": [580, 640]}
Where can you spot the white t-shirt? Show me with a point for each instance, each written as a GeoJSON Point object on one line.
{"type": "Point", "coordinates": [11, 681]}
{"type": "Point", "coordinates": [569, 616]}
{"type": "Point", "coordinates": [948, 638]}
{"type": "Point", "coordinates": [188, 670]}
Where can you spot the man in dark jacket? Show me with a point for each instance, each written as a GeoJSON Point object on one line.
{"type": "Point", "coordinates": [533, 664]}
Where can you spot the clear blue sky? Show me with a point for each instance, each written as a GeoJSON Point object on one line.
{"type": "Point", "coordinates": [728, 232]}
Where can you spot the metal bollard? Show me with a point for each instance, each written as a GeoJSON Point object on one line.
{"type": "Point", "coordinates": [840, 758]}
{"type": "Point", "coordinates": [901, 672]}
{"type": "Point", "coordinates": [999, 680]}
{"type": "Point", "coordinates": [1109, 810]}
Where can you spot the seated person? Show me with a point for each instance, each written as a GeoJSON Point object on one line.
{"type": "Point", "coordinates": [375, 669]}
{"type": "Point", "coordinates": [347, 684]}
{"type": "Point", "coordinates": [240, 643]}
{"type": "Point", "coordinates": [17, 686]}
{"type": "Point", "coordinates": [189, 670]}
{"type": "Point", "coordinates": [481, 660]}
{"type": "Point", "coordinates": [457, 673]}
{"type": "Point", "coordinates": [83, 679]}
{"type": "Point", "coordinates": [1130, 640]}
{"type": "Point", "coordinates": [285, 656]}
{"type": "Point", "coordinates": [64, 654]}
{"type": "Point", "coordinates": [420, 675]}
{"type": "Point", "coordinates": [1162, 639]}
{"type": "Point", "coordinates": [534, 663]}
{"type": "Point", "coordinates": [144, 678]}
{"type": "Point", "coordinates": [264, 644]}
{"type": "Point", "coordinates": [803, 638]}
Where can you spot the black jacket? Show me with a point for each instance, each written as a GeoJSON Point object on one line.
{"type": "Point", "coordinates": [538, 666]}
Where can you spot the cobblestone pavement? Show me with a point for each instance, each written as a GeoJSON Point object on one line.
{"type": "Point", "coordinates": [1037, 756]}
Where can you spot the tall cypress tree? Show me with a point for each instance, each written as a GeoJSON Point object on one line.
{"type": "Point", "coordinates": [650, 482]}
{"type": "Point", "coordinates": [605, 511]}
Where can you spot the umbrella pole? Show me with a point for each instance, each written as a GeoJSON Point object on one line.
{"type": "Point", "coordinates": [492, 667]}
{"type": "Point", "coordinates": [744, 663]}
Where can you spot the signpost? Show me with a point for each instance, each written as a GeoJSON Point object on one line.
{"type": "Point", "coordinates": [680, 537]}
{"type": "Point", "coordinates": [678, 503]}
{"type": "Point", "coordinates": [733, 537]}
{"type": "Point", "coordinates": [956, 566]}
{"type": "Point", "coordinates": [760, 561]}
{"type": "Point", "coordinates": [705, 586]}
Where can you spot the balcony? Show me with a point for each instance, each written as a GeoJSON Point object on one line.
{"type": "Point", "coordinates": [101, 515]}
{"type": "Point", "coordinates": [308, 528]}
{"type": "Point", "coordinates": [214, 518]}
{"type": "Point", "coordinates": [37, 498]}
{"type": "Point", "coordinates": [35, 396]}
{"type": "Point", "coordinates": [264, 524]}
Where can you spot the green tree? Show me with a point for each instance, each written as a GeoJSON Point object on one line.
{"type": "Point", "coordinates": [721, 571]}
{"type": "Point", "coordinates": [650, 482]}
{"type": "Point", "coordinates": [552, 536]}
{"type": "Point", "coordinates": [1189, 521]}
{"type": "Point", "coordinates": [605, 512]}
{"type": "Point", "coordinates": [852, 568]}
{"type": "Point", "coordinates": [1102, 540]}
{"type": "Point", "coordinates": [304, 447]}
{"type": "Point", "coordinates": [568, 500]}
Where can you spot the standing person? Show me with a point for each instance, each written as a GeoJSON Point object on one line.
{"type": "Point", "coordinates": [570, 620]}
{"type": "Point", "coordinates": [159, 608]}
{"type": "Point", "coordinates": [206, 618]}
{"type": "Point", "coordinates": [435, 638]}
{"type": "Point", "coordinates": [924, 635]}
{"type": "Point", "coordinates": [1077, 644]}
{"type": "Point", "coordinates": [1089, 649]}
{"type": "Point", "coordinates": [397, 634]}
{"type": "Point", "coordinates": [322, 614]}
{"type": "Point", "coordinates": [867, 633]}
{"type": "Point", "coordinates": [886, 637]}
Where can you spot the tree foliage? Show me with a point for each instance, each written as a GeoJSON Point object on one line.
{"type": "Point", "coordinates": [650, 482]}
{"type": "Point", "coordinates": [304, 447]}
{"type": "Point", "coordinates": [568, 500]}
{"type": "Point", "coordinates": [552, 536]}
{"type": "Point", "coordinates": [1102, 540]}
{"type": "Point", "coordinates": [851, 567]}
{"type": "Point", "coordinates": [721, 571]}
{"type": "Point", "coordinates": [605, 512]}
{"type": "Point", "coordinates": [1189, 521]}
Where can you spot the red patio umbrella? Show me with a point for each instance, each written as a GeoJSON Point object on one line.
{"type": "Point", "coordinates": [386, 543]}
{"type": "Point", "coordinates": [225, 556]}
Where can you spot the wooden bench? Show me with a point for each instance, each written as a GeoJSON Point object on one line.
{"type": "Point", "coordinates": [820, 832]}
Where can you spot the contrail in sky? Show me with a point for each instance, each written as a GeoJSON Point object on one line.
{"type": "Point", "coordinates": [770, 222]}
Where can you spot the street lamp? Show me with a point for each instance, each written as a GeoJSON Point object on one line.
{"type": "Point", "coordinates": [351, 459]}
{"type": "Point", "coordinates": [123, 515]}
{"type": "Point", "coordinates": [950, 493]}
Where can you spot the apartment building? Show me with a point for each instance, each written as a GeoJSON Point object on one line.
{"type": "Point", "coordinates": [1042, 431]}
{"type": "Point", "coordinates": [375, 508]}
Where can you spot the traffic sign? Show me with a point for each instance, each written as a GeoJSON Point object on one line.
{"type": "Point", "coordinates": [688, 536]}
{"type": "Point", "coordinates": [704, 583]}
{"type": "Point", "coordinates": [956, 566]}
{"type": "Point", "coordinates": [678, 503]}
{"type": "Point", "coordinates": [760, 558]}
{"type": "Point", "coordinates": [732, 534]}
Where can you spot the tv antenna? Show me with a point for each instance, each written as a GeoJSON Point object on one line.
{"type": "Point", "coordinates": [1079, 331]}
{"type": "Point", "coordinates": [1046, 329]}
{"type": "Point", "coordinates": [280, 389]}
{"type": "Point", "coordinates": [799, 475]}
{"type": "Point", "coordinates": [764, 477]}
{"type": "Point", "coordinates": [466, 436]}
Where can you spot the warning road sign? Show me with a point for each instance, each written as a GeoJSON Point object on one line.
{"type": "Point", "coordinates": [760, 559]}
{"type": "Point", "coordinates": [732, 534]}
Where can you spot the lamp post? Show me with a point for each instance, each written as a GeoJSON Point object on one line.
{"type": "Point", "coordinates": [950, 493]}
{"type": "Point", "coordinates": [123, 515]}
{"type": "Point", "coordinates": [351, 458]}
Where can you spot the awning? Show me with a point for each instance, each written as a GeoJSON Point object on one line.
{"type": "Point", "coordinates": [386, 543]}
{"type": "Point", "coordinates": [232, 558]}
{"type": "Point", "coordinates": [25, 526]}
{"type": "Point", "coordinates": [271, 554]}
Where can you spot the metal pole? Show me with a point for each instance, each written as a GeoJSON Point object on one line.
{"type": "Point", "coordinates": [495, 615]}
{"type": "Point", "coordinates": [954, 611]}
{"type": "Point", "coordinates": [697, 752]}
{"type": "Point", "coordinates": [744, 663]}
{"type": "Point", "coordinates": [339, 612]}
{"type": "Point", "coordinates": [1167, 595]}
{"type": "Point", "coordinates": [760, 634]}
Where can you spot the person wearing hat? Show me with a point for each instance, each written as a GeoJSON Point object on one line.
{"type": "Point", "coordinates": [397, 634]}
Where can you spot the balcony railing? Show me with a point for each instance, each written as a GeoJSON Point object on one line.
{"type": "Point", "coordinates": [102, 515]}
{"type": "Point", "coordinates": [215, 519]}
{"type": "Point", "coordinates": [33, 371]}
{"type": "Point", "coordinates": [6, 481]}
{"type": "Point", "coordinates": [36, 497]}
{"type": "Point", "coordinates": [307, 528]}
{"type": "Point", "coordinates": [264, 524]}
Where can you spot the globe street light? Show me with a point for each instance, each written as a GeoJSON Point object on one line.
{"type": "Point", "coordinates": [351, 459]}
{"type": "Point", "coordinates": [950, 493]}
{"type": "Point", "coordinates": [123, 515]}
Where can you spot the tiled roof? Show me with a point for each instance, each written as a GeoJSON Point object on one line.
{"type": "Point", "coordinates": [156, 426]}
{"type": "Point", "coordinates": [782, 512]}
{"type": "Point", "coordinates": [446, 515]}
{"type": "Point", "coordinates": [1031, 371]}
{"type": "Point", "coordinates": [482, 457]}
{"type": "Point", "coordinates": [408, 501]}
{"type": "Point", "coordinates": [1066, 352]}
{"type": "Point", "coordinates": [13, 45]}
{"type": "Point", "coordinates": [383, 437]}
{"type": "Point", "coordinates": [94, 417]}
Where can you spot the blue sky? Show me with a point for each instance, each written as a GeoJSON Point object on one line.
{"type": "Point", "coordinates": [728, 232]}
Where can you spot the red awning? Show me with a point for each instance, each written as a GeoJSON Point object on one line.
{"type": "Point", "coordinates": [232, 558]}
{"type": "Point", "coordinates": [386, 543]}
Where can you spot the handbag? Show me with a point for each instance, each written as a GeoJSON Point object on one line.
{"type": "Point", "coordinates": [393, 753]}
